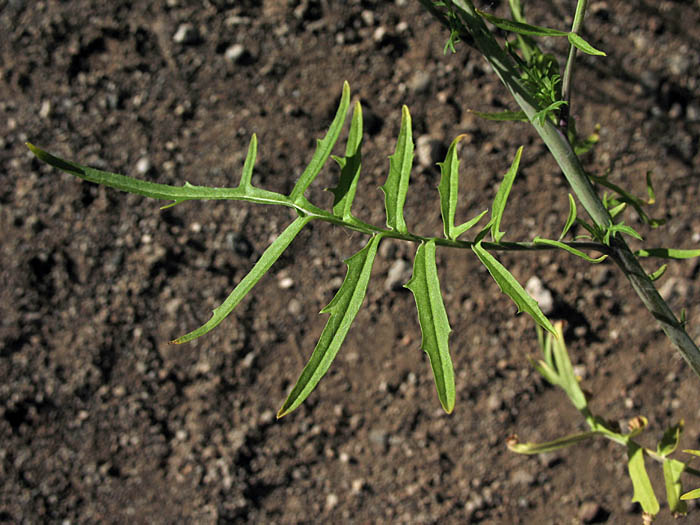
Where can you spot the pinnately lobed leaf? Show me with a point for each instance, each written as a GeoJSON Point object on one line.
{"type": "Point", "coordinates": [396, 185]}
{"type": "Point", "coordinates": [343, 309]}
{"type": "Point", "coordinates": [512, 288]}
{"type": "Point", "coordinates": [268, 258]}
{"type": "Point", "coordinates": [434, 325]}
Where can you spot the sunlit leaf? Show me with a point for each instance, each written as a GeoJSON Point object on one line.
{"type": "Point", "coordinates": [668, 253]}
{"type": "Point", "coordinates": [342, 309]}
{"type": "Point", "coordinates": [323, 147]}
{"type": "Point", "coordinates": [565, 371]}
{"type": "Point", "coordinates": [247, 174]}
{"type": "Point", "coordinates": [268, 258]}
{"type": "Point", "coordinates": [434, 325]}
{"type": "Point", "coordinates": [567, 248]}
{"type": "Point", "coordinates": [350, 166]}
{"type": "Point", "coordinates": [449, 188]}
{"type": "Point", "coordinates": [550, 446]}
{"type": "Point", "coordinates": [578, 42]}
{"type": "Point", "coordinates": [512, 288]}
{"type": "Point", "coordinates": [658, 273]}
{"type": "Point", "coordinates": [643, 491]}
{"type": "Point", "coordinates": [464, 227]}
{"type": "Point", "coordinates": [155, 190]}
{"type": "Point", "coordinates": [519, 27]}
{"type": "Point", "coordinates": [396, 185]}
{"type": "Point", "coordinates": [571, 218]}
{"type": "Point", "coordinates": [691, 494]}
{"type": "Point", "coordinates": [499, 202]}
{"type": "Point", "coordinates": [503, 116]}
{"type": "Point", "coordinates": [672, 479]}
{"type": "Point", "coordinates": [669, 441]}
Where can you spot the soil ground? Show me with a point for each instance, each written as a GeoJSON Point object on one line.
{"type": "Point", "coordinates": [101, 421]}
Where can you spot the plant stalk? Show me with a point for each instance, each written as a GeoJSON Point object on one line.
{"type": "Point", "coordinates": [569, 69]}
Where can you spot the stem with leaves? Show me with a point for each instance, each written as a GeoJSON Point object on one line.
{"type": "Point", "coordinates": [472, 23]}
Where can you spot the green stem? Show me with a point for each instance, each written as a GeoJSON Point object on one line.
{"type": "Point", "coordinates": [570, 165]}
{"type": "Point", "coordinates": [569, 69]}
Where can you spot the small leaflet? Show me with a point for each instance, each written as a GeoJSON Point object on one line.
{"type": "Point", "coordinates": [342, 309]}
{"type": "Point", "coordinates": [396, 185]}
{"type": "Point", "coordinates": [434, 324]}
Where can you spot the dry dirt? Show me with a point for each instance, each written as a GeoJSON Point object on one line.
{"type": "Point", "coordinates": [101, 421]}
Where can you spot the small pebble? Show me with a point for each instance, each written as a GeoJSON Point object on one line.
{"type": "Point", "coordinates": [285, 283]}
{"type": "Point", "coordinates": [399, 274]}
{"type": "Point", "coordinates": [186, 34]}
{"type": "Point", "coordinates": [236, 53]}
{"type": "Point", "coordinates": [331, 501]}
{"type": "Point", "coordinates": [590, 512]}
{"type": "Point", "coordinates": [522, 477]}
{"type": "Point", "coordinates": [428, 151]}
{"type": "Point", "coordinates": [541, 294]}
{"type": "Point", "coordinates": [143, 166]}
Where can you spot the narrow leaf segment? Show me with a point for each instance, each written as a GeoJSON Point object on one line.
{"type": "Point", "coordinates": [323, 147]}
{"type": "Point", "coordinates": [343, 308]}
{"type": "Point", "coordinates": [396, 185]}
{"type": "Point", "coordinates": [449, 188]}
{"type": "Point", "coordinates": [350, 166]}
{"type": "Point", "coordinates": [434, 325]}
{"type": "Point", "coordinates": [499, 202]}
{"type": "Point", "coordinates": [512, 288]}
{"type": "Point", "coordinates": [268, 258]}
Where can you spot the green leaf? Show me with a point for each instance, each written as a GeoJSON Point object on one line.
{"type": "Point", "coordinates": [261, 267]}
{"type": "Point", "coordinates": [670, 439]}
{"type": "Point", "coordinates": [503, 116]}
{"type": "Point", "coordinates": [512, 288]}
{"type": "Point", "coordinates": [643, 491]}
{"type": "Point", "coordinates": [342, 309]}
{"type": "Point", "coordinates": [620, 228]}
{"type": "Point", "coordinates": [578, 42]}
{"type": "Point", "coordinates": [541, 115]}
{"type": "Point", "coordinates": [566, 247]}
{"type": "Point", "coordinates": [449, 188]}
{"type": "Point", "coordinates": [155, 190]}
{"type": "Point", "coordinates": [499, 202]}
{"type": "Point", "coordinates": [571, 218]}
{"type": "Point", "coordinates": [565, 371]}
{"type": "Point", "coordinates": [668, 253]}
{"type": "Point", "coordinates": [464, 227]}
{"type": "Point", "coordinates": [625, 196]}
{"type": "Point", "coordinates": [350, 166]}
{"type": "Point", "coordinates": [549, 446]}
{"type": "Point", "coordinates": [691, 494]}
{"type": "Point", "coordinates": [434, 325]}
{"type": "Point", "coordinates": [672, 479]}
{"type": "Point", "coordinates": [519, 27]}
{"type": "Point", "coordinates": [323, 147]}
{"type": "Point", "coordinates": [693, 452]}
{"type": "Point", "coordinates": [247, 174]}
{"type": "Point", "coordinates": [616, 210]}
{"type": "Point", "coordinates": [658, 273]}
{"type": "Point", "coordinates": [396, 185]}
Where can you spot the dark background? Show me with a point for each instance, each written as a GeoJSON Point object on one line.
{"type": "Point", "coordinates": [102, 421]}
